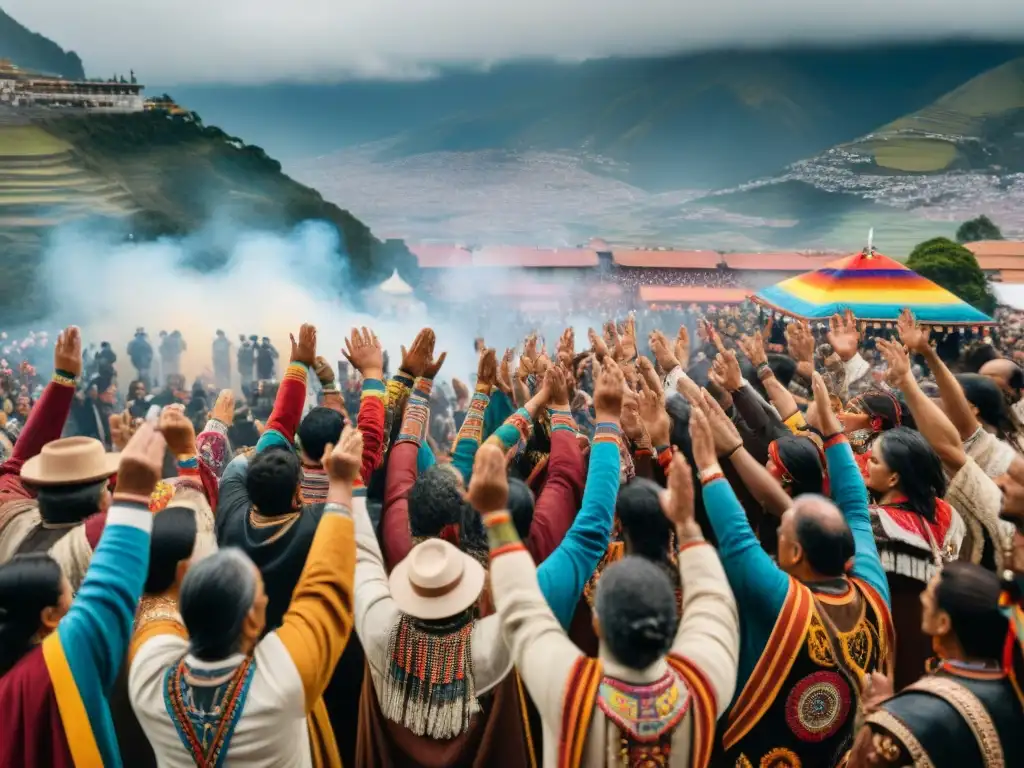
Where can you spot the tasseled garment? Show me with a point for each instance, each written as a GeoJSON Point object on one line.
{"type": "Point", "coordinates": [315, 483]}
{"type": "Point", "coordinates": [428, 687]}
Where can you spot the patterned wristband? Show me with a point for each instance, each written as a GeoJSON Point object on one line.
{"type": "Point", "coordinates": [607, 432]}
{"type": "Point", "coordinates": [188, 462]}
{"type": "Point", "coordinates": [64, 378]}
{"type": "Point", "coordinates": [501, 534]}
{"type": "Point", "coordinates": [710, 478]}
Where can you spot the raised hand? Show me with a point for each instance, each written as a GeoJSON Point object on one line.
{"type": "Point", "coordinates": [364, 353]}
{"type": "Point", "coordinates": [178, 430]}
{"type": "Point", "coordinates": [628, 340]}
{"type": "Point", "coordinates": [488, 488]}
{"type": "Point", "coordinates": [899, 363]}
{"type": "Point", "coordinates": [304, 350]}
{"type": "Point", "coordinates": [67, 352]}
{"type": "Point", "coordinates": [663, 352]}
{"type": "Point", "coordinates": [800, 341]}
{"type": "Point", "coordinates": [681, 347]}
{"type": "Point", "coordinates": [723, 430]}
{"type": "Point", "coordinates": [727, 367]}
{"type": "Point", "coordinates": [504, 377]}
{"type": "Point", "coordinates": [677, 501]}
{"type": "Point", "coordinates": [122, 427]}
{"type": "Point", "coordinates": [324, 371]}
{"type": "Point", "coordinates": [651, 409]}
{"type": "Point", "coordinates": [557, 386]}
{"type": "Point", "coordinates": [597, 344]}
{"type": "Point", "coordinates": [433, 366]}
{"type": "Point", "coordinates": [224, 409]}
{"type": "Point", "coordinates": [566, 350]}
{"type": "Point", "coordinates": [828, 422]}
{"type": "Point", "coordinates": [914, 336]}
{"type": "Point", "coordinates": [416, 358]}
{"type": "Point", "coordinates": [702, 440]}
{"type": "Point", "coordinates": [462, 392]}
{"type": "Point", "coordinates": [649, 379]}
{"type": "Point", "coordinates": [141, 465]}
{"type": "Point", "coordinates": [609, 386]}
{"type": "Point", "coordinates": [343, 461]}
{"type": "Point", "coordinates": [753, 348]}
{"type": "Point", "coordinates": [843, 335]}
{"type": "Point", "coordinates": [629, 418]}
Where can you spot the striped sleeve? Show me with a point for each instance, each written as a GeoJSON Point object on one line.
{"type": "Point", "coordinates": [85, 654]}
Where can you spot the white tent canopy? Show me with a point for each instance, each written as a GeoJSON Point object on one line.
{"type": "Point", "coordinates": [395, 286]}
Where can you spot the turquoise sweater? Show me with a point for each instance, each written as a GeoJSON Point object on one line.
{"type": "Point", "coordinates": [759, 584]}
{"type": "Point", "coordinates": [80, 661]}
{"type": "Point", "coordinates": [564, 573]}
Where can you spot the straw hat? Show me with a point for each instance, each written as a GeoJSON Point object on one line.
{"type": "Point", "coordinates": [436, 580]}
{"type": "Point", "coordinates": [70, 461]}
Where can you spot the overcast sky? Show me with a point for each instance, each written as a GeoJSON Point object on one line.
{"type": "Point", "coordinates": [175, 41]}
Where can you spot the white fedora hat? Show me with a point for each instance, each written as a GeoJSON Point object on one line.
{"type": "Point", "coordinates": [436, 580]}
{"type": "Point", "coordinates": [69, 461]}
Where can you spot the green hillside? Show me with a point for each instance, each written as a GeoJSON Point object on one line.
{"type": "Point", "coordinates": [30, 50]}
{"type": "Point", "coordinates": [976, 126]}
{"type": "Point", "coordinates": [151, 174]}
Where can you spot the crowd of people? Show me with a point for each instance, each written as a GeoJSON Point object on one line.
{"type": "Point", "coordinates": [635, 277]}
{"type": "Point", "coordinates": [697, 538]}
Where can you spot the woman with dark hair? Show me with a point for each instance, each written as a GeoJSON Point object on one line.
{"type": "Point", "coordinates": [797, 463]}
{"type": "Point", "coordinates": [965, 712]}
{"type": "Point", "coordinates": [58, 658]}
{"type": "Point", "coordinates": [138, 401]}
{"type": "Point", "coordinates": [870, 414]}
{"type": "Point", "coordinates": [916, 531]}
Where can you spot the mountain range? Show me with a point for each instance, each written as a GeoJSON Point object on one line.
{"type": "Point", "coordinates": [30, 50]}
{"type": "Point", "coordinates": [801, 148]}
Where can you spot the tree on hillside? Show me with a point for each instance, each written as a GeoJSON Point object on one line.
{"type": "Point", "coordinates": [981, 228]}
{"type": "Point", "coordinates": [955, 268]}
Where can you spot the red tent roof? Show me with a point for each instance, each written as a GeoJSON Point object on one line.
{"type": "Point", "coordinates": [534, 257]}
{"type": "Point", "coordinates": [692, 294]}
{"type": "Point", "coordinates": [441, 256]}
{"type": "Point", "coordinates": [667, 259]}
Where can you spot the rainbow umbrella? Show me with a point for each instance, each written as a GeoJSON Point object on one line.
{"type": "Point", "coordinates": [875, 287]}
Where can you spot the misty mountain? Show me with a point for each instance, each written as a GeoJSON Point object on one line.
{"type": "Point", "coordinates": [30, 50]}
{"type": "Point", "coordinates": [706, 120]}
{"type": "Point", "coordinates": [148, 175]}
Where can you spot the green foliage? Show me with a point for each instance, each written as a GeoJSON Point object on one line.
{"type": "Point", "coordinates": [180, 172]}
{"type": "Point", "coordinates": [981, 228]}
{"type": "Point", "coordinates": [955, 268]}
{"type": "Point", "coordinates": [33, 51]}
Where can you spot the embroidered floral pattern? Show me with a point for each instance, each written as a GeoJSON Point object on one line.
{"type": "Point", "coordinates": [780, 757]}
{"type": "Point", "coordinates": [644, 712]}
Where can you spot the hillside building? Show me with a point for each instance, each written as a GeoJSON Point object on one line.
{"type": "Point", "coordinates": [22, 89]}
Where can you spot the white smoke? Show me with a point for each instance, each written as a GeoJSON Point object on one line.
{"type": "Point", "coordinates": [271, 284]}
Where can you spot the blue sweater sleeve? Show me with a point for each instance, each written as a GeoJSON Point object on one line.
{"type": "Point", "coordinates": [759, 584]}
{"type": "Point", "coordinates": [425, 458]}
{"type": "Point", "coordinates": [498, 410]}
{"type": "Point", "coordinates": [92, 638]}
{"type": "Point", "coordinates": [851, 496]}
{"type": "Point", "coordinates": [564, 573]}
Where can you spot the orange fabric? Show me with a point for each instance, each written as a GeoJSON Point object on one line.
{"type": "Point", "coordinates": [705, 710]}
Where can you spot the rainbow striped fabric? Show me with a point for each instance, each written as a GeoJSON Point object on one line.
{"type": "Point", "coordinates": [874, 287]}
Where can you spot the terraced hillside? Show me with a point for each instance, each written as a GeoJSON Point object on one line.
{"type": "Point", "coordinates": [150, 175]}
{"type": "Point", "coordinates": [43, 181]}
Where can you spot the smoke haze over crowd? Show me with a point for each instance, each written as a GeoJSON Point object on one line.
{"type": "Point", "coordinates": [271, 284]}
{"type": "Point", "coordinates": [236, 41]}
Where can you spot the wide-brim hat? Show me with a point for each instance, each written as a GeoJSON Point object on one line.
{"type": "Point", "coordinates": [435, 581]}
{"type": "Point", "coordinates": [70, 461]}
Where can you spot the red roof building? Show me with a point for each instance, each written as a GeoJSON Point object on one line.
{"type": "Point", "coordinates": [777, 262]}
{"type": "Point", "coordinates": [667, 259]}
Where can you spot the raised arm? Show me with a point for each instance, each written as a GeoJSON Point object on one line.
{"type": "Point", "coordinates": [402, 473]}
{"type": "Point", "coordinates": [543, 654]}
{"type": "Point", "coordinates": [560, 497]}
{"type": "Point", "coordinates": [758, 583]}
{"type": "Point", "coordinates": [363, 351]}
{"type": "Point", "coordinates": [46, 420]}
{"type": "Point", "coordinates": [709, 630]}
{"type": "Point", "coordinates": [472, 429]}
{"type": "Point", "coordinates": [848, 490]}
{"type": "Point", "coordinates": [291, 395]}
{"type": "Point", "coordinates": [92, 638]}
{"type": "Point", "coordinates": [565, 571]}
{"type": "Point", "coordinates": [319, 620]}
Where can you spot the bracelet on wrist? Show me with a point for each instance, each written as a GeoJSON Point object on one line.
{"type": "Point", "coordinates": [732, 452]}
{"type": "Point", "coordinates": [713, 469]}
